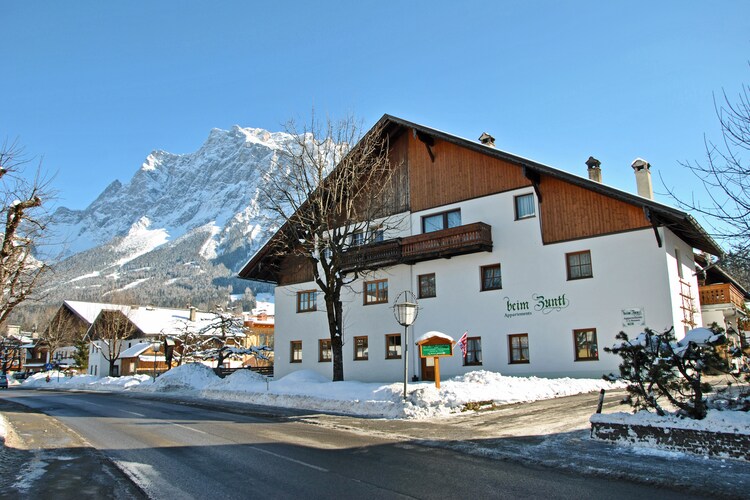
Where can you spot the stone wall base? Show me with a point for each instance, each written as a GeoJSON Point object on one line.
{"type": "Point", "coordinates": [714, 444]}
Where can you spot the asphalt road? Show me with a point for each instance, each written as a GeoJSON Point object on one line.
{"type": "Point", "coordinates": [177, 451]}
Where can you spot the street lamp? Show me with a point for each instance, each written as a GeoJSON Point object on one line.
{"type": "Point", "coordinates": [155, 346]}
{"type": "Point", "coordinates": [406, 312]}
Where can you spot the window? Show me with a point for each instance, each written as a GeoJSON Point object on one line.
{"type": "Point", "coordinates": [361, 352]}
{"type": "Point", "coordinates": [307, 301]}
{"type": "Point", "coordinates": [326, 253]}
{"type": "Point", "coordinates": [473, 351]}
{"type": "Point", "coordinates": [376, 292]}
{"type": "Point", "coordinates": [518, 348]}
{"type": "Point", "coordinates": [440, 221]}
{"type": "Point", "coordinates": [525, 206]}
{"type": "Point", "coordinates": [491, 277]}
{"type": "Point", "coordinates": [585, 345]}
{"type": "Point", "coordinates": [295, 349]}
{"type": "Point", "coordinates": [579, 265]}
{"type": "Point", "coordinates": [357, 239]}
{"type": "Point", "coordinates": [426, 285]}
{"type": "Point", "coordinates": [376, 235]}
{"type": "Point", "coordinates": [324, 350]}
{"type": "Point", "coordinates": [393, 346]}
{"type": "Point", "coordinates": [679, 262]}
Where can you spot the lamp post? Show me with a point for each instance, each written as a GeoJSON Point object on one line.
{"type": "Point", "coordinates": [406, 312]}
{"type": "Point", "coordinates": [155, 346]}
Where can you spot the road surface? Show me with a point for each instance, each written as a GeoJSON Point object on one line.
{"type": "Point", "coordinates": [177, 451]}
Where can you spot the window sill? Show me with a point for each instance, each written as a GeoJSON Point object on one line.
{"type": "Point", "coordinates": [524, 362]}
{"type": "Point", "coordinates": [399, 357]}
{"type": "Point", "coordinates": [375, 303]}
{"type": "Point", "coordinates": [586, 359]}
{"type": "Point", "coordinates": [472, 364]}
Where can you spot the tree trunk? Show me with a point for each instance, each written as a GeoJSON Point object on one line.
{"type": "Point", "coordinates": [112, 368]}
{"type": "Point", "coordinates": [335, 327]}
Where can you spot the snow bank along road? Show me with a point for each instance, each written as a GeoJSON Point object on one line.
{"type": "Point", "coordinates": [177, 451]}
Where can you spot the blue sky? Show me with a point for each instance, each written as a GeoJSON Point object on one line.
{"type": "Point", "coordinates": [93, 87]}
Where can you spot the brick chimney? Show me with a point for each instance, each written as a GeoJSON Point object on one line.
{"type": "Point", "coordinates": [642, 170]}
{"type": "Point", "coordinates": [595, 171]}
{"type": "Point", "coordinates": [487, 139]}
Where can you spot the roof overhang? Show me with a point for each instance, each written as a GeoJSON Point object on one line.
{"type": "Point", "coordinates": [265, 264]}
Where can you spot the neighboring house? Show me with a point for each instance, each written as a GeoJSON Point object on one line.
{"type": "Point", "coordinates": [148, 325]}
{"type": "Point", "coordinates": [723, 301]}
{"type": "Point", "coordinates": [141, 359]}
{"type": "Point", "coordinates": [15, 350]}
{"type": "Point", "coordinates": [260, 332]}
{"type": "Point", "coordinates": [542, 268]}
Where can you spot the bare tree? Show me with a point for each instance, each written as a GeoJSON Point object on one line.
{"type": "Point", "coordinates": [338, 192]}
{"type": "Point", "coordinates": [225, 328]}
{"type": "Point", "coordinates": [110, 329]}
{"type": "Point", "coordinates": [24, 218]}
{"type": "Point", "coordinates": [10, 353]}
{"type": "Point", "coordinates": [725, 175]}
{"type": "Point", "coordinates": [62, 330]}
{"type": "Point", "coordinates": [187, 340]}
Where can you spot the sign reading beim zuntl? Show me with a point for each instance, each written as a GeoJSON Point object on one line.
{"type": "Point", "coordinates": [538, 304]}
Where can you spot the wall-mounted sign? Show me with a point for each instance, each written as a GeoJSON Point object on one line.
{"type": "Point", "coordinates": [634, 317]}
{"type": "Point", "coordinates": [539, 303]}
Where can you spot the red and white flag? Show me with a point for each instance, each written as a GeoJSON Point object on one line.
{"type": "Point", "coordinates": [463, 341]}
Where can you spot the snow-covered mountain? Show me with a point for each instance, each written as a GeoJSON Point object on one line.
{"type": "Point", "coordinates": [178, 231]}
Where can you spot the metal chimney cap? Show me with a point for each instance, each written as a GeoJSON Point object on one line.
{"type": "Point", "coordinates": [640, 164]}
{"type": "Point", "coordinates": [487, 139]}
{"type": "Point", "coordinates": [593, 162]}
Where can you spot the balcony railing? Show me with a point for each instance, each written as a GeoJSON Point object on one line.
{"type": "Point", "coordinates": [471, 238]}
{"type": "Point", "coordinates": [723, 293]}
{"type": "Point", "coordinates": [372, 256]}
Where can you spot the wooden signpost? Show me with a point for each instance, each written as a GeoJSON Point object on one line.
{"type": "Point", "coordinates": [435, 347]}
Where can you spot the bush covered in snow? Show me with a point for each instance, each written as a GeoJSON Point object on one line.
{"type": "Point", "coordinates": [656, 366]}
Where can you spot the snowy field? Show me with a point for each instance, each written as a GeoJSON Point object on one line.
{"type": "Point", "coordinates": [309, 390]}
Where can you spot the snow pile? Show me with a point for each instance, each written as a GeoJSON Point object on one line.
{"type": "Point", "coordinates": [309, 390]}
{"type": "Point", "coordinates": [59, 380]}
{"type": "Point", "coordinates": [189, 377]}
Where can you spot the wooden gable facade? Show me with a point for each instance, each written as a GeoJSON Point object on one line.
{"type": "Point", "coordinates": [436, 169]}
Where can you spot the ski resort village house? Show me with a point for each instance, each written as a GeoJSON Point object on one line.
{"type": "Point", "coordinates": [135, 329]}
{"type": "Point", "coordinates": [541, 267]}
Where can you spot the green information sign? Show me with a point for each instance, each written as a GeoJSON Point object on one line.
{"type": "Point", "coordinates": [436, 350]}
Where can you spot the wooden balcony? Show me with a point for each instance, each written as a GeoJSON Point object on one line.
{"type": "Point", "coordinates": [447, 243]}
{"type": "Point", "coordinates": [723, 293]}
{"type": "Point", "coordinates": [372, 256]}
{"type": "Point", "coordinates": [471, 238]}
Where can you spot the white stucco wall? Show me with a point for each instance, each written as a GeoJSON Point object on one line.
{"type": "Point", "coordinates": [630, 271]}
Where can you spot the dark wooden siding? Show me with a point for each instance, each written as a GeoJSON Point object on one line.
{"type": "Point", "coordinates": [456, 174]}
{"type": "Point", "coordinates": [295, 269]}
{"type": "Point", "coordinates": [571, 212]}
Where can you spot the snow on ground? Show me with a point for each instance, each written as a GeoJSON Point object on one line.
{"type": "Point", "coordinates": [309, 390]}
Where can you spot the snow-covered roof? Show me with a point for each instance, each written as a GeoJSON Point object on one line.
{"type": "Point", "coordinates": [135, 350]}
{"type": "Point", "coordinates": [434, 334]}
{"type": "Point", "coordinates": [151, 320]}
